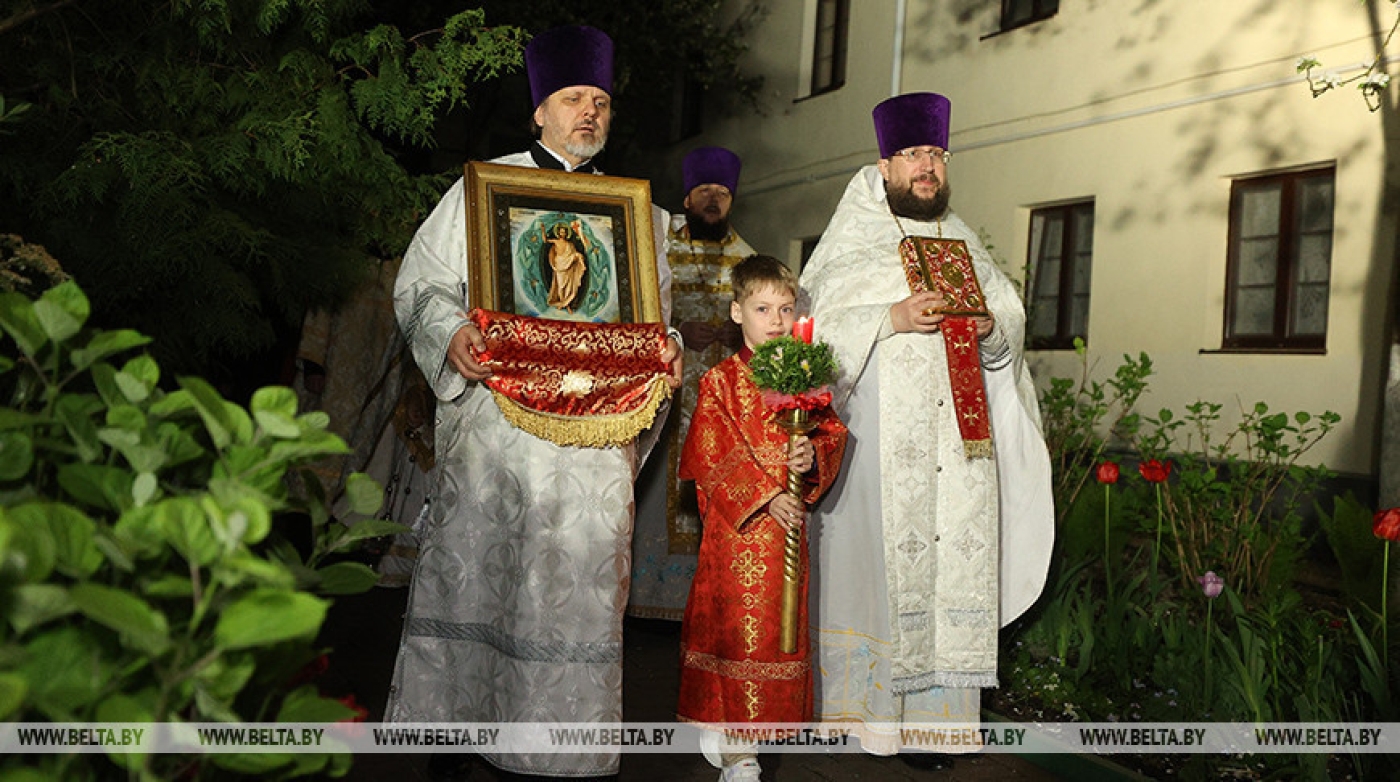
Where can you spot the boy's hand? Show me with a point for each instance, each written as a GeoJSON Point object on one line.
{"type": "Point", "coordinates": [787, 511]}
{"type": "Point", "coordinates": [804, 455]}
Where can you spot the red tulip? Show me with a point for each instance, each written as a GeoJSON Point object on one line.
{"type": "Point", "coordinates": [1154, 471]}
{"type": "Point", "coordinates": [1386, 524]}
{"type": "Point", "coordinates": [1107, 472]}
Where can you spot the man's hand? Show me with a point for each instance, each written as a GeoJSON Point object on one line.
{"type": "Point", "coordinates": [984, 326]}
{"type": "Point", "coordinates": [916, 313]}
{"type": "Point", "coordinates": [672, 355]}
{"type": "Point", "coordinates": [462, 350]}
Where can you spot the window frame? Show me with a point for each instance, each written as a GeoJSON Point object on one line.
{"type": "Point", "coordinates": [840, 46]}
{"type": "Point", "coordinates": [1040, 11]}
{"type": "Point", "coordinates": [1287, 260]}
{"type": "Point", "coordinates": [1063, 338]}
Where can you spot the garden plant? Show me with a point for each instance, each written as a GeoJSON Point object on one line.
{"type": "Point", "coordinates": [1177, 590]}
{"type": "Point", "coordinates": [145, 570]}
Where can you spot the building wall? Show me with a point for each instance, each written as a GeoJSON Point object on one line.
{"type": "Point", "coordinates": [1150, 109]}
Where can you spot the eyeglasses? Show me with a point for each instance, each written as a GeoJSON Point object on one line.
{"type": "Point", "coordinates": [932, 154]}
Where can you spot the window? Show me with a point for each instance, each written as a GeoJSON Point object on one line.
{"type": "Point", "coordinates": [1060, 257]}
{"type": "Point", "coordinates": [829, 50]}
{"type": "Point", "coordinates": [1017, 13]}
{"type": "Point", "coordinates": [1280, 261]}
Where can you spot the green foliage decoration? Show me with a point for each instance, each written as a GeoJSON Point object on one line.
{"type": "Point", "coordinates": [788, 365]}
{"type": "Point", "coordinates": [143, 574]}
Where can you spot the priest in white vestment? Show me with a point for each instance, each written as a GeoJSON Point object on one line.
{"type": "Point", "coordinates": [932, 538]}
{"type": "Point", "coordinates": [515, 614]}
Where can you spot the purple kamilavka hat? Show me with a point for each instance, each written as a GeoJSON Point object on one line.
{"type": "Point", "coordinates": [568, 56]}
{"type": "Point", "coordinates": [710, 166]}
{"type": "Point", "coordinates": [916, 119]}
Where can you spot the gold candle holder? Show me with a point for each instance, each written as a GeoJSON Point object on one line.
{"type": "Point", "coordinates": [797, 423]}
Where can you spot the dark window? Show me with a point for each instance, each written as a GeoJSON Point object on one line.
{"type": "Point", "coordinates": [809, 246]}
{"type": "Point", "coordinates": [1280, 261]}
{"type": "Point", "coordinates": [1060, 258]}
{"type": "Point", "coordinates": [1016, 13]}
{"type": "Point", "coordinates": [829, 51]}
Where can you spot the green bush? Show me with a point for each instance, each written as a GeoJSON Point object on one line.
{"type": "Point", "coordinates": [142, 574]}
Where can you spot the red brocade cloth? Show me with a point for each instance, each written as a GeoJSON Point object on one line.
{"type": "Point", "coordinates": [580, 384]}
{"type": "Point", "coordinates": [732, 666]}
{"type": "Point", "coordinates": [945, 265]}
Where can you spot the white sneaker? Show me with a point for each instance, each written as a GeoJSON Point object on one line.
{"type": "Point", "coordinates": [745, 770]}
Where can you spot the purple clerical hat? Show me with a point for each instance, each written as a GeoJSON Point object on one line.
{"type": "Point", "coordinates": [710, 166]}
{"type": "Point", "coordinates": [916, 119]}
{"type": "Point", "coordinates": [568, 56]}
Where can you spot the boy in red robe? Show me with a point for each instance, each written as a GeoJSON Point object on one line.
{"type": "Point", "coordinates": [732, 670]}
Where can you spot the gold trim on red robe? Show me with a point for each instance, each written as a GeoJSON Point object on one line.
{"type": "Point", "coordinates": [583, 384]}
{"type": "Point", "coordinates": [731, 668]}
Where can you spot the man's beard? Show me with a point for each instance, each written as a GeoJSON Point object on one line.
{"type": "Point", "coordinates": [705, 230]}
{"type": "Point", "coordinates": [587, 150]}
{"type": "Point", "coordinates": [904, 203]}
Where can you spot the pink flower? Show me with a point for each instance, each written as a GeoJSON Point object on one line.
{"type": "Point", "coordinates": [1211, 584]}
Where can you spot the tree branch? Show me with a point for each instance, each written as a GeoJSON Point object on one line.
{"type": "Point", "coordinates": [21, 17]}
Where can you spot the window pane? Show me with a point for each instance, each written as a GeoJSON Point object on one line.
{"type": "Point", "coordinates": [1315, 205]}
{"type": "Point", "coordinates": [1254, 312]}
{"type": "Point", "coordinates": [1259, 211]}
{"type": "Point", "coordinates": [1310, 310]}
{"type": "Point", "coordinates": [1079, 316]}
{"type": "Point", "coordinates": [1314, 258]}
{"type": "Point", "coordinates": [1044, 318]}
{"type": "Point", "coordinates": [1016, 12]}
{"type": "Point", "coordinates": [1258, 262]}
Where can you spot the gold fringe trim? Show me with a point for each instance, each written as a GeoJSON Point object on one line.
{"type": "Point", "coordinates": [978, 449]}
{"type": "Point", "coordinates": [596, 431]}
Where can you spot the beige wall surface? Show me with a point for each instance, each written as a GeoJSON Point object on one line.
{"type": "Point", "coordinates": [1148, 108]}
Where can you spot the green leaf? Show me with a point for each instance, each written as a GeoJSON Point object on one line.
{"type": "Point", "coordinates": [35, 604]}
{"type": "Point", "coordinates": [139, 530]}
{"type": "Point", "coordinates": [66, 671]}
{"type": "Point", "coordinates": [12, 692]}
{"type": "Point", "coordinates": [144, 370]}
{"type": "Point", "coordinates": [76, 412]}
{"type": "Point", "coordinates": [98, 485]}
{"type": "Point", "coordinates": [267, 616]}
{"type": "Point", "coordinates": [143, 490]}
{"type": "Point", "coordinates": [168, 585]}
{"type": "Point", "coordinates": [16, 455]}
{"type": "Point", "coordinates": [277, 425]}
{"type": "Point", "coordinates": [11, 418]}
{"type": "Point", "coordinates": [124, 708]}
{"type": "Point", "coordinates": [346, 578]}
{"type": "Point", "coordinates": [26, 544]}
{"type": "Point", "coordinates": [364, 494]}
{"type": "Point", "coordinates": [226, 676]}
{"type": "Point", "coordinates": [211, 410]}
{"type": "Point", "coordinates": [278, 400]}
{"type": "Point", "coordinates": [140, 625]}
{"type": "Point", "coordinates": [75, 553]}
{"type": "Point", "coordinates": [184, 526]}
{"type": "Point", "coordinates": [18, 320]}
{"type": "Point", "coordinates": [241, 567]}
{"type": "Point", "coordinates": [364, 530]}
{"type": "Point", "coordinates": [104, 344]}
{"type": "Point", "coordinates": [305, 704]}
{"type": "Point", "coordinates": [311, 445]}
{"type": "Point", "coordinates": [62, 310]}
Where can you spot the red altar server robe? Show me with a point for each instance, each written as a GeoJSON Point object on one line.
{"type": "Point", "coordinates": [731, 667]}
